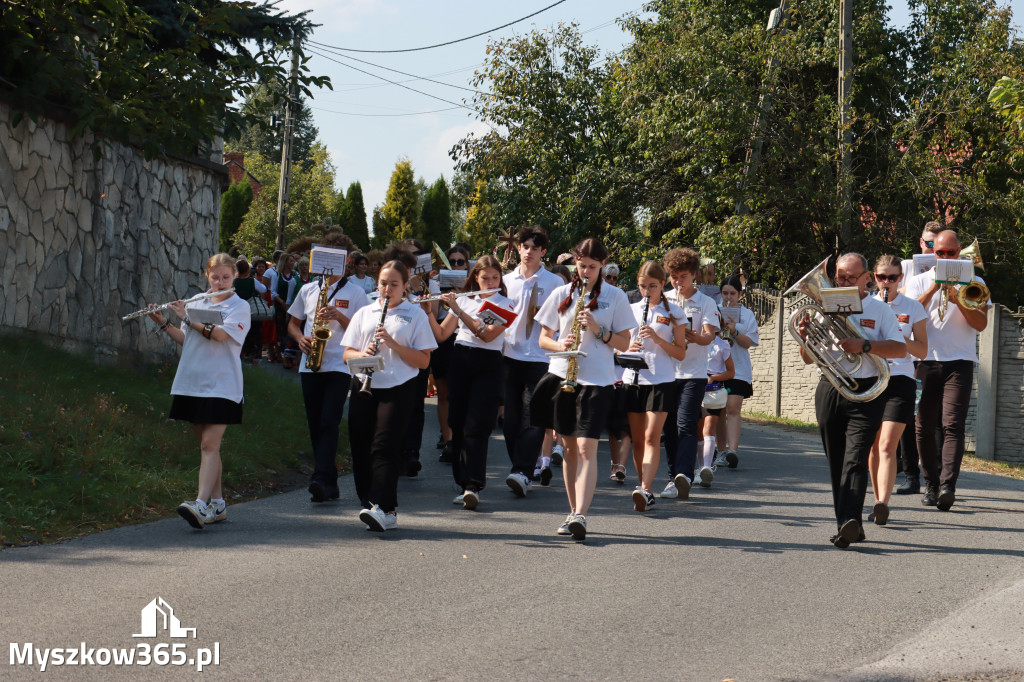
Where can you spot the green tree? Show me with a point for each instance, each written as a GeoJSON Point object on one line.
{"type": "Point", "coordinates": [436, 214]}
{"type": "Point", "coordinates": [382, 234]}
{"type": "Point", "coordinates": [350, 215]}
{"type": "Point", "coordinates": [160, 73]}
{"type": "Point", "coordinates": [401, 204]}
{"type": "Point", "coordinates": [234, 204]}
{"type": "Point", "coordinates": [480, 228]}
{"type": "Point", "coordinates": [263, 130]}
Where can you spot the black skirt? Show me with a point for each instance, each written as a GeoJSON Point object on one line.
{"type": "Point", "coordinates": [580, 414]}
{"type": "Point", "coordinates": [648, 398]}
{"type": "Point", "coordinates": [197, 410]}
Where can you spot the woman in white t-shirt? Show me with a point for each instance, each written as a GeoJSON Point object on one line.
{"type": "Point", "coordinates": [901, 392]}
{"type": "Point", "coordinates": [650, 393]}
{"type": "Point", "coordinates": [743, 333]}
{"type": "Point", "coordinates": [377, 419]}
{"type": "Point", "coordinates": [720, 369]}
{"type": "Point", "coordinates": [207, 388]}
{"type": "Point", "coordinates": [473, 373]}
{"type": "Point", "coordinates": [581, 414]}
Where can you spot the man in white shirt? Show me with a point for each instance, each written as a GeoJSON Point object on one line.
{"type": "Point", "coordinates": [946, 375]}
{"type": "Point", "coordinates": [848, 427]}
{"type": "Point", "coordinates": [528, 286]}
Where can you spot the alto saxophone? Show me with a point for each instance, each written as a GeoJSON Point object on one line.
{"type": "Point", "coordinates": [569, 385]}
{"type": "Point", "coordinates": [321, 331]}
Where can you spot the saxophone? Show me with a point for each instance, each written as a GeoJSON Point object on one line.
{"type": "Point", "coordinates": [321, 331]}
{"type": "Point", "coordinates": [569, 385]}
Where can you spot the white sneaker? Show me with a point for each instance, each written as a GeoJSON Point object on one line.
{"type": "Point", "coordinates": [706, 475]}
{"type": "Point", "coordinates": [374, 519]}
{"type": "Point", "coordinates": [682, 486]}
{"type": "Point", "coordinates": [391, 521]}
{"type": "Point", "coordinates": [219, 510]}
{"type": "Point", "coordinates": [720, 459]}
{"type": "Point", "coordinates": [564, 528]}
{"type": "Point", "coordinates": [519, 484]}
{"type": "Point", "coordinates": [670, 490]}
{"type": "Point", "coordinates": [557, 452]}
{"type": "Point", "coordinates": [459, 499]}
{"type": "Point", "coordinates": [196, 513]}
{"type": "Point", "coordinates": [578, 527]}
{"type": "Point", "coordinates": [470, 499]}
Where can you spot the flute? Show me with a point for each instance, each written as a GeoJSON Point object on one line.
{"type": "Point", "coordinates": [165, 306]}
{"type": "Point", "coordinates": [431, 299]}
{"type": "Point", "coordinates": [376, 345]}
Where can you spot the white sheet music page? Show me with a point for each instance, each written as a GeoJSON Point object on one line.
{"type": "Point", "coordinates": [731, 313]}
{"type": "Point", "coordinates": [422, 264]}
{"type": "Point", "coordinates": [954, 271]}
{"type": "Point", "coordinates": [205, 316]}
{"type": "Point", "coordinates": [923, 262]}
{"type": "Point", "coordinates": [323, 260]}
{"type": "Point", "coordinates": [842, 301]}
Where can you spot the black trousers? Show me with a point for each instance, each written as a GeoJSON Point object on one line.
{"type": "Point", "coordinates": [522, 440]}
{"type": "Point", "coordinates": [848, 430]}
{"type": "Point", "coordinates": [474, 389]}
{"type": "Point", "coordinates": [680, 428]}
{"type": "Point", "coordinates": [415, 418]}
{"type": "Point", "coordinates": [375, 433]}
{"type": "Point", "coordinates": [945, 396]}
{"type": "Point", "coordinates": [324, 395]}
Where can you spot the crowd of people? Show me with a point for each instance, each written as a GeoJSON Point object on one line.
{"type": "Point", "coordinates": [561, 356]}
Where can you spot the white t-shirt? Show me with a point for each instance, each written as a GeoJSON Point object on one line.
{"type": "Point", "coordinates": [348, 299]}
{"type": "Point", "coordinates": [471, 305]}
{"type": "Point", "coordinates": [407, 324]}
{"type": "Point", "coordinates": [520, 289]}
{"type": "Point", "coordinates": [878, 323]}
{"type": "Point", "coordinates": [702, 310]}
{"type": "Point", "coordinates": [948, 339]}
{"type": "Point", "coordinates": [613, 312]}
{"type": "Point", "coordinates": [747, 325]}
{"type": "Point", "coordinates": [719, 351]}
{"type": "Point", "coordinates": [213, 369]}
{"type": "Point", "coordinates": [661, 366]}
{"type": "Point", "coordinates": [367, 284]}
{"type": "Point", "coordinates": [908, 313]}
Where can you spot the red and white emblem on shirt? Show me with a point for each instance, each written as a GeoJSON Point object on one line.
{"type": "Point", "coordinates": [341, 303]}
{"type": "Point", "coordinates": [240, 326]}
{"type": "Point", "coordinates": [903, 318]}
{"type": "Point", "coordinates": [870, 324]}
{"type": "Point", "coordinates": [661, 319]}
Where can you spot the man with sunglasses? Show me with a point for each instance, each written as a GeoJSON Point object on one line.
{"type": "Point", "coordinates": [848, 427]}
{"type": "Point", "coordinates": [946, 375]}
{"type": "Point", "coordinates": [927, 243]}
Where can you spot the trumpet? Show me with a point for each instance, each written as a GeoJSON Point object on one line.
{"type": "Point", "coordinates": [155, 309]}
{"type": "Point", "coordinates": [971, 296]}
{"type": "Point", "coordinates": [431, 299]}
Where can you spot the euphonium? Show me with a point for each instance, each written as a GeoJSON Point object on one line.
{"type": "Point", "coordinates": [826, 333]}
{"type": "Point", "coordinates": [570, 385]}
{"type": "Point", "coordinates": [321, 331]}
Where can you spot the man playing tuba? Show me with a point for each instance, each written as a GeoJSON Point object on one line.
{"type": "Point", "coordinates": [848, 427]}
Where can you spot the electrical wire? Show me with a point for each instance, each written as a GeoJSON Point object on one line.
{"type": "Point", "coordinates": [411, 75]}
{"type": "Point", "coordinates": [411, 113]}
{"type": "Point", "coordinates": [450, 42]}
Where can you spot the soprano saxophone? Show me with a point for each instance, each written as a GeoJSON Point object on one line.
{"type": "Point", "coordinates": [569, 385]}
{"type": "Point", "coordinates": [321, 332]}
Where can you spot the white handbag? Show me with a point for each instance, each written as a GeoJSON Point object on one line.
{"type": "Point", "coordinates": [715, 400]}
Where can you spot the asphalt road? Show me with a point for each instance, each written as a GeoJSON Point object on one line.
{"type": "Point", "coordinates": [739, 583]}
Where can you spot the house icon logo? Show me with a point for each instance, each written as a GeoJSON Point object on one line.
{"type": "Point", "coordinates": [158, 615]}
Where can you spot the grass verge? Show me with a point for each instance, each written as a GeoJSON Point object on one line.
{"type": "Point", "coordinates": [84, 447]}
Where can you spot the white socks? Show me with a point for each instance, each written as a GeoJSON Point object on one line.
{"type": "Point", "coordinates": [709, 450]}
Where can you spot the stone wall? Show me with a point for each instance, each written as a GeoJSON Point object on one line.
{"type": "Point", "coordinates": [84, 241]}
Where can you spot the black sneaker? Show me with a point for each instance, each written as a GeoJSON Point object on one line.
{"type": "Point", "coordinates": [911, 486]}
{"type": "Point", "coordinates": [880, 515]}
{"type": "Point", "coordinates": [447, 453]}
{"type": "Point", "coordinates": [319, 492]}
{"type": "Point", "coordinates": [440, 441]}
{"type": "Point", "coordinates": [545, 476]}
{"type": "Point", "coordinates": [848, 533]}
{"type": "Point", "coordinates": [931, 496]}
{"type": "Point", "coordinates": [413, 468]}
{"type": "Point", "coordinates": [946, 498]}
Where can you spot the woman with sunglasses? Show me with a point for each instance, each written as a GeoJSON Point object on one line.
{"type": "Point", "coordinates": [458, 258]}
{"type": "Point", "coordinates": [900, 394]}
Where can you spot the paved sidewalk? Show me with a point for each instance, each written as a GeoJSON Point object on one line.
{"type": "Point", "coordinates": [739, 582]}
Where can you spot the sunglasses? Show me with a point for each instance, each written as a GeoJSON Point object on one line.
{"type": "Point", "coordinates": [457, 261]}
{"type": "Point", "coordinates": [887, 278]}
{"type": "Point", "coordinates": [942, 253]}
{"type": "Point", "coordinates": [930, 244]}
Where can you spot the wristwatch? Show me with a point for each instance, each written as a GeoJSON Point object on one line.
{"type": "Point", "coordinates": [867, 347]}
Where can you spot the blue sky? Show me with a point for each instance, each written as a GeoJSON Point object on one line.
{"type": "Point", "coordinates": [358, 121]}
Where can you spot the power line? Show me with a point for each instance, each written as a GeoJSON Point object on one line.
{"type": "Point", "coordinates": [450, 42]}
{"type": "Point", "coordinates": [411, 75]}
{"type": "Point", "coordinates": [411, 113]}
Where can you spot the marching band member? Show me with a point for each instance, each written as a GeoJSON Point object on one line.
{"type": "Point", "coordinates": [901, 392]}
{"type": "Point", "coordinates": [946, 375]}
{"type": "Point", "coordinates": [440, 360]}
{"type": "Point", "coordinates": [650, 393]}
{"type": "Point", "coordinates": [691, 373]}
{"type": "Point", "coordinates": [848, 427]}
{"type": "Point", "coordinates": [603, 320]}
{"type": "Point", "coordinates": [324, 391]}
{"type": "Point", "coordinates": [474, 373]}
{"type": "Point", "coordinates": [744, 334]}
{"type": "Point", "coordinates": [207, 388]}
{"type": "Point", "coordinates": [720, 370]}
{"type": "Point", "coordinates": [377, 419]}
{"type": "Point", "coordinates": [529, 286]}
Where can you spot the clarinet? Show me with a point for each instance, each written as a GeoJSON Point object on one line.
{"type": "Point", "coordinates": [643, 321]}
{"type": "Point", "coordinates": [376, 345]}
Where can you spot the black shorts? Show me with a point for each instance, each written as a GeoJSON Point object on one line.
{"type": "Point", "coordinates": [899, 397]}
{"type": "Point", "coordinates": [441, 357]}
{"type": "Point", "coordinates": [205, 410]}
{"type": "Point", "coordinates": [618, 424]}
{"type": "Point", "coordinates": [582, 414]}
{"type": "Point", "coordinates": [739, 387]}
{"type": "Point", "coordinates": [647, 398]}
{"type": "Point", "coordinates": [717, 412]}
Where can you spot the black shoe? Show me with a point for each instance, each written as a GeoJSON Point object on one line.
{"type": "Point", "coordinates": [545, 476]}
{"type": "Point", "coordinates": [911, 486]}
{"type": "Point", "coordinates": [440, 441]}
{"type": "Point", "coordinates": [412, 468]}
{"type": "Point", "coordinates": [447, 453]}
{"type": "Point", "coordinates": [880, 515]}
{"type": "Point", "coordinates": [322, 493]}
{"type": "Point", "coordinates": [931, 496]}
{"type": "Point", "coordinates": [848, 533]}
{"type": "Point", "coordinates": [946, 498]}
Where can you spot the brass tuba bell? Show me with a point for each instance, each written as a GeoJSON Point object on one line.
{"type": "Point", "coordinates": [974, 295]}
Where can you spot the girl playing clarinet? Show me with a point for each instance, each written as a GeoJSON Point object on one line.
{"type": "Point", "coordinates": [598, 326]}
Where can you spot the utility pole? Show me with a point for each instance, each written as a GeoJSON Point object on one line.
{"type": "Point", "coordinates": [845, 174]}
{"type": "Point", "coordinates": [286, 147]}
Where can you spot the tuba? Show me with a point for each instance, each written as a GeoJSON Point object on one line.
{"type": "Point", "coordinates": [321, 332]}
{"type": "Point", "coordinates": [974, 295]}
{"type": "Point", "coordinates": [825, 334]}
